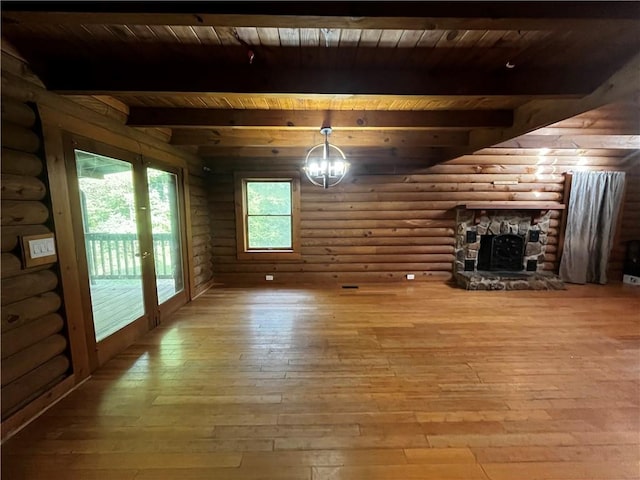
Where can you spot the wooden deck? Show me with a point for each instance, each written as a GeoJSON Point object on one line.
{"type": "Point", "coordinates": [117, 302]}
{"type": "Point", "coordinates": [401, 382]}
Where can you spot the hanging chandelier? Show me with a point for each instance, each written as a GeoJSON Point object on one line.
{"type": "Point", "coordinates": [323, 168]}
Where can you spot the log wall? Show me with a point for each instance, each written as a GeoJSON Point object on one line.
{"type": "Point", "coordinates": [35, 355]}
{"type": "Point", "coordinates": [391, 217]}
{"type": "Point", "coordinates": [200, 229]}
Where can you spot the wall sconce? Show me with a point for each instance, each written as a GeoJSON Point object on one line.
{"type": "Point", "coordinates": [322, 168]}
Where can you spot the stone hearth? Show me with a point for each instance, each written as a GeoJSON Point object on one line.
{"type": "Point", "coordinates": [509, 281]}
{"type": "Point", "coordinates": [532, 226]}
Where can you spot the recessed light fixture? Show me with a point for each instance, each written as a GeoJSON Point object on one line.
{"type": "Point", "coordinates": [510, 65]}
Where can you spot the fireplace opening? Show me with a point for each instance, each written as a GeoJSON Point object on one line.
{"type": "Point", "coordinates": [501, 253]}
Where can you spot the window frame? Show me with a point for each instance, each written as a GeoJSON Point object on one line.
{"type": "Point", "coordinates": [283, 254]}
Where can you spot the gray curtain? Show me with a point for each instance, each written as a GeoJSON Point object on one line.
{"type": "Point", "coordinates": [594, 204]}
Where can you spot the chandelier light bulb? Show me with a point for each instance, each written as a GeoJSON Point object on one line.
{"type": "Point", "coordinates": [328, 168]}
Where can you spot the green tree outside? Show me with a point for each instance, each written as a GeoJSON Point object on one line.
{"type": "Point", "coordinates": [269, 214]}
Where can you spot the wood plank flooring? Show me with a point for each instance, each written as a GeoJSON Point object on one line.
{"type": "Point", "coordinates": [382, 382]}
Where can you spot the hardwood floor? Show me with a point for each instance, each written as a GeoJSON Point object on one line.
{"type": "Point", "coordinates": [397, 382]}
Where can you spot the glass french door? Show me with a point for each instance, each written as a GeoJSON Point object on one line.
{"type": "Point", "coordinates": [164, 203]}
{"type": "Point", "coordinates": [127, 218]}
{"type": "Point", "coordinates": [165, 230]}
{"type": "Point", "coordinates": [112, 242]}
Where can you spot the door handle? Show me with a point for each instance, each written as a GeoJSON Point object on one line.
{"type": "Point", "coordinates": [144, 255]}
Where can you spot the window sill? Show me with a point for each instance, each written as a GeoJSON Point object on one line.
{"type": "Point", "coordinates": [270, 256]}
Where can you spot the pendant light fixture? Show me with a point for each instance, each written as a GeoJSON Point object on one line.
{"type": "Point", "coordinates": [325, 165]}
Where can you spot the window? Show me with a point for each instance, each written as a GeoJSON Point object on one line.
{"type": "Point", "coordinates": [267, 208]}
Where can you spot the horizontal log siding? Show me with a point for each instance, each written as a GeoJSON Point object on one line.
{"type": "Point", "coordinates": [200, 228]}
{"type": "Point", "coordinates": [35, 356]}
{"type": "Point", "coordinates": [385, 221]}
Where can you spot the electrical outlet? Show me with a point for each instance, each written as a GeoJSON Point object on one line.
{"type": "Point", "coordinates": [410, 276]}
{"type": "Point", "coordinates": [268, 277]}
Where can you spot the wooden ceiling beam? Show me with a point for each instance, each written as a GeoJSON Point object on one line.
{"type": "Point", "coordinates": [317, 102]}
{"type": "Point", "coordinates": [344, 15]}
{"type": "Point", "coordinates": [301, 151]}
{"type": "Point", "coordinates": [619, 128]}
{"type": "Point", "coordinates": [230, 137]}
{"type": "Point", "coordinates": [533, 140]}
{"type": "Point", "coordinates": [496, 155]}
{"type": "Point", "coordinates": [180, 77]}
{"type": "Point", "coordinates": [338, 119]}
{"type": "Point", "coordinates": [621, 86]}
{"type": "Point", "coordinates": [549, 153]}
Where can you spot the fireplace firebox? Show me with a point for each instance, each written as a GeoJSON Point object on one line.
{"type": "Point", "coordinates": [503, 249]}
{"type": "Point", "coordinates": [501, 253]}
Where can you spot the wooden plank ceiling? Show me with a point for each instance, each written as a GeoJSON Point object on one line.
{"type": "Point", "coordinates": [428, 80]}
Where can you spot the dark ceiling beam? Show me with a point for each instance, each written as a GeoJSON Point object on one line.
{"type": "Point", "coordinates": [206, 117]}
{"type": "Point", "coordinates": [116, 78]}
{"type": "Point", "coordinates": [621, 86]}
{"type": "Point", "coordinates": [360, 15]}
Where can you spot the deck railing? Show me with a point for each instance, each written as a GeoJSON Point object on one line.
{"type": "Point", "coordinates": [117, 255]}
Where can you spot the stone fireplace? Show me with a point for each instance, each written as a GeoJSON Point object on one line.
{"type": "Point", "coordinates": [499, 249]}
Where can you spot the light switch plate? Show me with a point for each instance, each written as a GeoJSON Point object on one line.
{"type": "Point", "coordinates": [38, 250]}
{"type": "Point", "coordinates": [41, 247]}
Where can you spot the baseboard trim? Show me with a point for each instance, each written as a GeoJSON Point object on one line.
{"type": "Point", "coordinates": [37, 407]}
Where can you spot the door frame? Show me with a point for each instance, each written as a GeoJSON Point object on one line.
{"type": "Point", "coordinates": [100, 352]}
